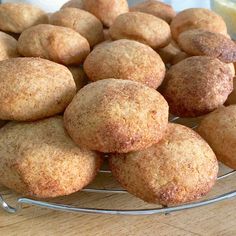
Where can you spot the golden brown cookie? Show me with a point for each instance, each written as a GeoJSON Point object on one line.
{"type": "Point", "coordinates": [79, 76]}
{"type": "Point", "coordinates": [200, 42]}
{"type": "Point", "coordinates": [55, 43]}
{"type": "Point", "coordinates": [39, 159]}
{"type": "Point", "coordinates": [156, 8]}
{"type": "Point", "coordinates": [8, 46]}
{"type": "Point", "coordinates": [197, 18]}
{"type": "Point", "coordinates": [178, 169]}
{"type": "Point", "coordinates": [219, 130]}
{"type": "Point", "coordinates": [116, 116]}
{"type": "Point", "coordinates": [106, 10]}
{"type": "Point", "coordinates": [141, 27]}
{"type": "Point", "coordinates": [125, 59]}
{"type": "Point", "coordinates": [232, 97]}
{"type": "Point", "coordinates": [81, 21]}
{"type": "Point", "coordinates": [74, 4]}
{"type": "Point", "coordinates": [34, 88]}
{"type": "Point", "coordinates": [16, 17]}
{"type": "Point", "coordinates": [197, 85]}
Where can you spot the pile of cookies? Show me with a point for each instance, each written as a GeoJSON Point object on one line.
{"type": "Point", "coordinates": [98, 79]}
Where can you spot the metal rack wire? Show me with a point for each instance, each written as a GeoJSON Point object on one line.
{"type": "Point", "coordinates": [159, 210]}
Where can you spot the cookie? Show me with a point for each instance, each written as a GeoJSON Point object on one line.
{"type": "Point", "coordinates": [106, 10]}
{"type": "Point", "coordinates": [178, 169]}
{"type": "Point", "coordinates": [81, 21]}
{"type": "Point", "coordinates": [141, 27]}
{"type": "Point", "coordinates": [155, 8]}
{"type": "Point", "coordinates": [17, 17]}
{"type": "Point", "coordinates": [116, 116]}
{"type": "Point", "coordinates": [219, 130]}
{"type": "Point", "coordinates": [39, 159]}
{"type": "Point", "coordinates": [197, 18]}
{"type": "Point", "coordinates": [197, 85]}
{"type": "Point", "coordinates": [34, 88]}
{"type": "Point", "coordinates": [125, 59]}
{"type": "Point", "coordinates": [200, 42]}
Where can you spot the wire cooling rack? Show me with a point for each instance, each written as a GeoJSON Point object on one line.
{"type": "Point", "coordinates": [164, 210]}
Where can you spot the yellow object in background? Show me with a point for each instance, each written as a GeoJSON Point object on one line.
{"type": "Point", "coordinates": [227, 9]}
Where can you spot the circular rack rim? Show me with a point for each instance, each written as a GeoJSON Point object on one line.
{"type": "Point", "coordinates": [69, 208]}
{"type": "Point", "coordinates": [160, 210]}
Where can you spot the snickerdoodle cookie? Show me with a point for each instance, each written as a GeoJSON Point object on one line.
{"type": "Point", "coordinates": [178, 169]}
{"type": "Point", "coordinates": [141, 27]}
{"type": "Point", "coordinates": [81, 21]}
{"type": "Point", "coordinates": [197, 85]}
{"type": "Point", "coordinates": [200, 42]}
{"type": "Point", "coordinates": [156, 8]}
{"type": "Point", "coordinates": [39, 159]}
{"type": "Point", "coordinates": [116, 116]}
{"type": "Point", "coordinates": [125, 59]}
{"type": "Point", "coordinates": [16, 17]}
{"type": "Point", "coordinates": [55, 43]}
{"type": "Point", "coordinates": [219, 130]}
{"type": "Point", "coordinates": [34, 88]}
{"type": "Point", "coordinates": [197, 18]}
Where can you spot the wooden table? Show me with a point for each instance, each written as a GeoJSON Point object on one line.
{"type": "Point", "coordinates": [213, 220]}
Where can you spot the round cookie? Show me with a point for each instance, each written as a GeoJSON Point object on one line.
{"type": "Point", "coordinates": [141, 27]}
{"type": "Point", "coordinates": [74, 4]}
{"type": "Point", "coordinates": [17, 17]}
{"type": "Point", "coordinates": [79, 76]}
{"type": "Point", "coordinates": [8, 46]}
{"type": "Point", "coordinates": [197, 85]}
{"type": "Point", "coordinates": [34, 88]}
{"type": "Point", "coordinates": [232, 97]}
{"type": "Point", "coordinates": [39, 159]}
{"type": "Point", "coordinates": [125, 59]}
{"type": "Point", "coordinates": [55, 43]}
{"type": "Point", "coordinates": [219, 130]}
{"type": "Point", "coordinates": [178, 169]}
{"type": "Point", "coordinates": [197, 18]}
{"type": "Point", "coordinates": [200, 42]}
{"type": "Point", "coordinates": [155, 8]}
{"type": "Point", "coordinates": [81, 21]}
{"type": "Point", "coordinates": [106, 10]}
{"type": "Point", "coordinates": [116, 116]}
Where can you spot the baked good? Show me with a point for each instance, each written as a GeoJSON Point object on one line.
{"type": "Point", "coordinates": [155, 8]}
{"type": "Point", "coordinates": [232, 97]}
{"type": "Point", "coordinates": [16, 17]}
{"type": "Point", "coordinates": [81, 21]}
{"type": "Point", "coordinates": [34, 88]}
{"type": "Point", "coordinates": [79, 76]}
{"type": "Point", "coordinates": [74, 4]}
{"type": "Point", "coordinates": [55, 43]}
{"type": "Point", "coordinates": [8, 46]}
{"type": "Point", "coordinates": [39, 159]}
{"type": "Point", "coordinates": [125, 59]}
{"type": "Point", "coordinates": [197, 85]}
{"type": "Point", "coordinates": [197, 18]}
{"type": "Point", "coordinates": [219, 130]}
{"type": "Point", "coordinates": [178, 169]}
{"type": "Point", "coordinates": [200, 42]}
{"type": "Point", "coordinates": [116, 116]}
{"type": "Point", "coordinates": [106, 10]}
{"type": "Point", "coordinates": [141, 27]}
